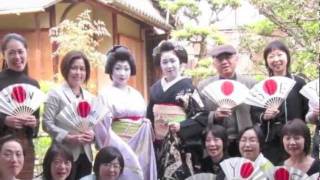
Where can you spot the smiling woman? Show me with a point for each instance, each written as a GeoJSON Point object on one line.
{"type": "Point", "coordinates": [278, 61]}
{"type": "Point", "coordinates": [14, 50]}
{"type": "Point", "coordinates": [297, 141]}
{"type": "Point", "coordinates": [11, 157]}
{"type": "Point", "coordinates": [75, 69]}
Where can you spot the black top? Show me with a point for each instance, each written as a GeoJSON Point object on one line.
{"type": "Point", "coordinates": [208, 166]}
{"type": "Point", "coordinates": [158, 96]}
{"type": "Point", "coordinates": [7, 78]}
{"type": "Point", "coordinates": [315, 167]}
{"type": "Point", "coordinates": [295, 106]}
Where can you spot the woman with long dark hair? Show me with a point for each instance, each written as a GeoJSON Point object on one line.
{"type": "Point", "coordinates": [14, 50]}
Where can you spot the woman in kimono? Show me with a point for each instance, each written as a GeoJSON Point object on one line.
{"type": "Point", "coordinates": [75, 69]}
{"type": "Point", "coordinates": [25, 128]}
{"type": "Point", "coordinates": [127, 128]}
{"type": "Point", "coordinates": [166, 97]}
{"type": "Point", "coordinates": [277, 61]}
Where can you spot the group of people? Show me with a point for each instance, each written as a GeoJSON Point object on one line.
{"type": "Point", "coordinates": [135, 141]}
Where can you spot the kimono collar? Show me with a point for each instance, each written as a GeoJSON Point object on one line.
{"type": "Point", "coordinates": [166, 85]}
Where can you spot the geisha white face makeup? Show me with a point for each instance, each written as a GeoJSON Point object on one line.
{"type": "Point", "coordinates": [170, 65]}
{"type": "Point", "coordinates": [121, 73]}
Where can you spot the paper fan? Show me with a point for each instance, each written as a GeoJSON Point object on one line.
{"type": "Point", "coordinates": [202, 176]}
{"type": "Point", "coordinates": [226, 93]}
{"type": "Point", "coordinates": [241, 168]}
{"type": "Point", "coordinates": [20, 99]}
{"type": "Point", "coordinates": [271, 92]}
{"type": "Point", "coordinates": [287, 173]}
{"type": "Point", "coordinates": [311, 92]}
{"type": "Point", "coordinates": [81, 115]}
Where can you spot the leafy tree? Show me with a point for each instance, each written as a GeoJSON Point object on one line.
{"type": "Point", "coordinates": [294, 21]}
{"type": "Point", "coordinates": [82, 34]}
{"type": "Point", "coordinates": [195, 24]}
{"type": "Point", "coordinates": [190, 23]}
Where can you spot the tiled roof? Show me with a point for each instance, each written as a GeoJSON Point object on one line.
{"type": "Point", "coordinates": [140, 9]}
{"type": "Point", "coordinates": [24, 6]}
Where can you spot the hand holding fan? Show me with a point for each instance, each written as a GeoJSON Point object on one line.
{"type": "Point", "coordinates": [226, 93]}
{"type": "Point", "coordinates": [311, 92]}
{"type": "Point", "coordinates": [241, 168]}
{"type": "Point", "coordinates": [286, 173]}
{"type": "Point", "coordinates": [20, 99]}
{"type": "Point", "coordinates": [271, 92]}
{"type": "Point", "coordinates": [81, 115]}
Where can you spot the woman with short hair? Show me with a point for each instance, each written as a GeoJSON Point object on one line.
{"type": "Point", "coordinates": [296, 141]}
{"type": "Point", "coordinates": [251, 142]}
{"type": "Point", "coordinates": [75, 69]}
{"type": "Point", "coordinates": [11, 157]}
{"type": "Point", "coordinates": [278, 61]}
{"type": "Point", "coordinates": [109, 165]}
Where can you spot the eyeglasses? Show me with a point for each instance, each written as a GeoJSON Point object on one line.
{"type": "Point", "coordinates": [59, 162]}
{"type": "Point", "coordinates": [11, 155]}
{"type": "Point", "coordinates": [112, 165]}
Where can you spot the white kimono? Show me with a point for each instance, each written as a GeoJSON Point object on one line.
{"type": "Point", "coordinates": [138, 151]}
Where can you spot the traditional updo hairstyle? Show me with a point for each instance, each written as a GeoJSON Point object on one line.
{"type": "Point", "coordinates": [119, 53]}
{"type": "Point", "coordinates": [165, 46]}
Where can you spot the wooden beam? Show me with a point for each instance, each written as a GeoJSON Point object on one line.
{"type": "Point", "coordinates": [115, 34]}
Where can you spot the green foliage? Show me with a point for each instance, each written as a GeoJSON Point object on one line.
{"type": "Point", "coordinates": [81, 34]}
{"type": "Point", "coordinates": [294, 21]}
{"type": "Point", "coordinates": [190, 25]}
{"type": "Point", "coordinates": [202, 70]}
{"type": "Point", "coordinates": [41, 145]}
{"type": "Point", "coordinates": [175, 6]}
{"type": "Point", "coordinates": [263, 27]}
{"type": "Point", "coordinates": [46, 86]}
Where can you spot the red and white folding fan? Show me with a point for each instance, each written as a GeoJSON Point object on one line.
{"type": "Point", "coordinates": [311, 92]}
{"type": "Point", "coordinates": [226, 93]}
{"type": "Point", "coordinates": [202, 176]}
{"type": "Point", "coordinates": [20, 99]}
{"type": "Point", "coordinates": [82, 115]}
{"type": "Point", "coordinates": [271, 92]}
{"type": "Point", "coordinates": [241, 168]}
{"type": "Point", "coordinates": [288, 173]}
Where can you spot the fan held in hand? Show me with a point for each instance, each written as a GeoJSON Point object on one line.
{"type": "Point", "coordinates": [241, 168]}
{"type": "Point", "coordinates": [20, 99]}
{"type": "Point", "coordinates": [271, 92]}
{"type": "Point", "coordinates": [311, 92]}
{"type": "Point", "coordinates": [288, 173]}
{"type": "Point", "coordinates": [226, 93]}
{"type": "Point", "coordinates": [80, 116]}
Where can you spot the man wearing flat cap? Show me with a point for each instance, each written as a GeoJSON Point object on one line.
{"type": "Point", "coordinates": [225, 59]}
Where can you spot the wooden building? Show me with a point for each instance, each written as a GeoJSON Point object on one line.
{"type": "Point", "coordinates": [132, 23]}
